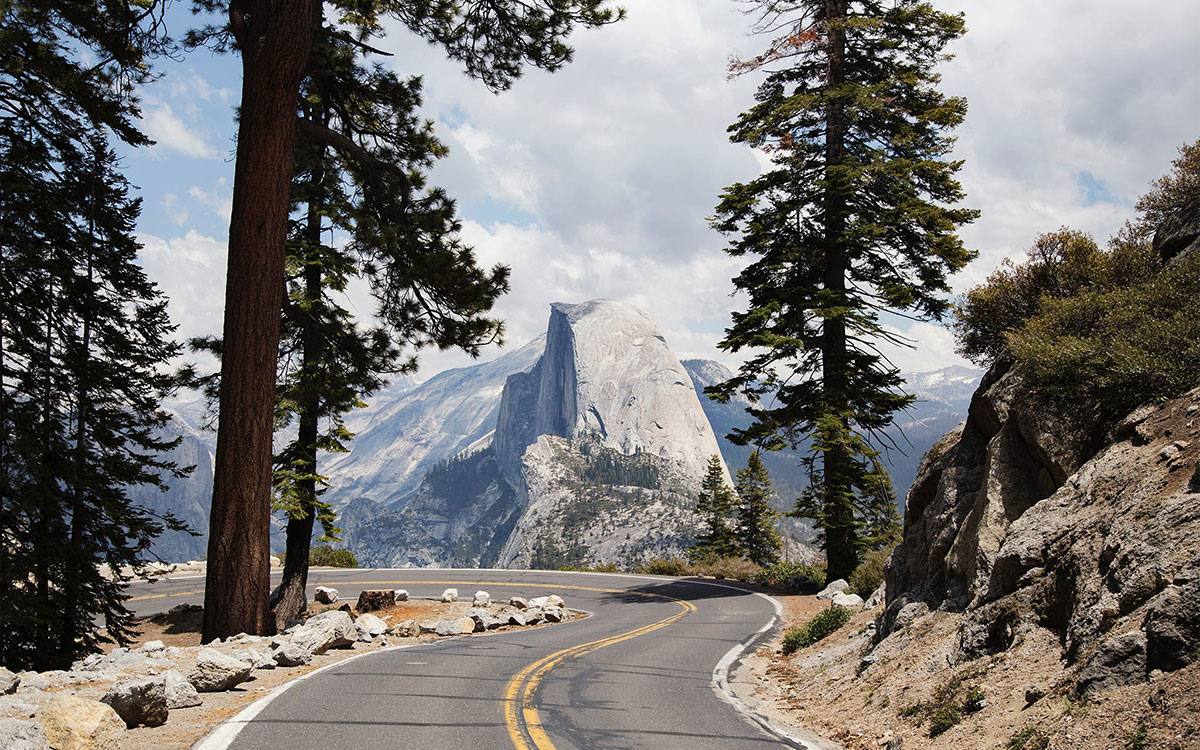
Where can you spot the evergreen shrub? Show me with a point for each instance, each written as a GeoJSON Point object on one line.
{"type": "Point", "coordinates": [328, 557]}
{"type": "Point", "coordinates": [825, 623]}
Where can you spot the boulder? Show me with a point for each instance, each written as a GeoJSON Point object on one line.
{"type": "Point", "coordinates": [450, 595]}
{"type": "Point", "coordinates": [372, 601]}
{"type": "Point", "coordinates": [139, 701]}
{"type": "Point", "coordinates": [16, 734]}
{"type": "Point", "coordinates": [836, 587]}
{"type": "Point", "coordinates": [545, 602]}
{"type": "Point", "coordinates": [461, 626]}
{"type": "Point", "coordinates": [332, 629]}
{"type": "Point", "coordinates": [516, 618]}
{"type": "Point", "coordinates": [555, 614]}
{"type": "Point", "coordinates": [215, 671]}
{"type": "Point", "coordinates": [400, 595]}
{"type": "Point", "coordinates": [9, 682]}
{"type": "Point", "coordinates": [73, 723]}
{"type": "Point", "coordinates": [289, 654]}
{"type": "Point", "coordinates": [878, 597]}
{"type": "Point", "coordinates": [180, 693]}
{"type": "Point", "coordinates": [534, 615]}
{"type": "Point", "coordinates": [258, 658]}
{"type": "Point", "coordinates": [370, 627]}
{"type": "Point", "coordinates": [481, 599]}
{"type": "Point", "coordinates": [1116, 662]}
{"type": "Point", "coordinates": [1173, 623]}
{"type": "Point", "coordinates": [485, 620]}
{"type": "Point", "coordinates": [152, 647]}
{"type": "Point", "coordinates": [518, 602]}
{"type": "Point", "coordinates": [326, 595]}
{"type": "Point", "coordinates": [846, 600]}
{"type": "Point", "coordinates": [406, 629]}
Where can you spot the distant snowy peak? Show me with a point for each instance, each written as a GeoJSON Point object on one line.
{"type": "Point", "coordinates": [952, 385]}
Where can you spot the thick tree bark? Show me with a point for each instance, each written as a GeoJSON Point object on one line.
{"type": "Point", "coordinates": [291, 597]}
{"type": "Point", "coordinates": [274, 37]}
{"type": "Point", "coordinates": [840, 552]}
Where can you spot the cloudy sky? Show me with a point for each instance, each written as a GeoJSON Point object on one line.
{"type": "Point", "coordinates": [595, 181]}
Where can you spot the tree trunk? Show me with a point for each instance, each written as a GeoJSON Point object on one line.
{"type": "Point", "coordinates": [291, 598]}
{"type": "Point", "coordinates": [275, 37]}
{"type": "Point", "coordinates": [840, 550]}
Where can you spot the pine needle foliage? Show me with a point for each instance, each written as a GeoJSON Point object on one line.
{"type": "Point", "coordinates": [716, 505]}
{"type": "Point", "coordinates": [856, 216]}
{"type": "Point", "coordinates": [83, 333]}
{"type": "Point", "coordinates": [757, 539]}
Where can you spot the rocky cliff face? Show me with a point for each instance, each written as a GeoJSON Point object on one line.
{"type": "Point", "coordinates": [189, 498]}
{"type": "Point", "coordinates": [1025, 517]}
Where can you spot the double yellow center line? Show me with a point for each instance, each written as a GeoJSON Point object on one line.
{"type": "Point", "coordinates": [520, 714]}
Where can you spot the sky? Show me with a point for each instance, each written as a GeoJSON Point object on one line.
{"type": "Point", "coordinates": [596, 181]}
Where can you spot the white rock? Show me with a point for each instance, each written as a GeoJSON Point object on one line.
{"type": "Point", "coordinates": [847, 600]}
{"type": "Point", "coordinates": [150, 647]}
{"type": "Point", "coordinates": [481, 599]}
{"type": "Point", "coordinates": [8, 682]}
{"type": "Point", "coordinates": [401, 595]}
{"type": "Point", "coordinates": [878, 597]}
{"type": "Point", "coordinates": [22, 735]}
{"type": "Point", "coordinates": [370, 627]}
{"type": "Point", "coordinates": [555, 614]}
{"type": "Point", "coordinates": [461, 626]}
{"type": "Point", "coordinates": [450, 595]}
{"type": "Point", "coordinates": [215, 671]}
{"type": "Point", "coordinates": [291, 655]}
{"type": "Point", "coordinates": [258, 658]}
{"type": "Point", "coordinates": [326, 595]}
{"type": "Point", "coordinates": [332, 629]}
{"type": "Point", "coordinates": [180, 693]}
{"type": "Point", "coordinates": [139, 701]}
{"type": "Point", "coordinates": [518, 602]}
{"type": "Point", "coordinates": [836, 587]}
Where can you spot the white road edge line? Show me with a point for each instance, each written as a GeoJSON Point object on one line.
{"type": "Point", "coordinates": [223, 735]}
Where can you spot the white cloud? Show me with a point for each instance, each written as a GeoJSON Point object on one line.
{"type": "Point", "coordinates": [190, 270]}
{"type": "Point", "coordinates": [172, 134]}
{"type": "Point", "coordinates": [219, 200]}
{"type": "Point", "coordinates": [171, 207]}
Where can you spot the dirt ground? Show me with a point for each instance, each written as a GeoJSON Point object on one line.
{"type": "Point", "coordinates": [911, 690]}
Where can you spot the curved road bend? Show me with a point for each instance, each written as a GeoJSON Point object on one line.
{"type": "Point", "coordinates": [636, 674]}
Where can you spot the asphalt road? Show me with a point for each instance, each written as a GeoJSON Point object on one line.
{"type": "Point", "coordinates": [643, 671]}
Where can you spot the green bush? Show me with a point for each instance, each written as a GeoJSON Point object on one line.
{"type": "Point", "coordinates": [604, 568]}
{"type": "Point", "coordinates": [1029, 738]}
{"type": "Point", "coordinates": [784, 574]}
{"type": "Point", "coordinates": [869, 574]}
{"type": "Point", "coordinates": [1118, 348]}
{"type": "Point", "coordinates": [825, 623]}
{"type": "Point", "coordinates": [658, 566]}
{"type": "Point", "coordinates": [943, 719]}
{"type": "Point", "coordinates": [329, 557]}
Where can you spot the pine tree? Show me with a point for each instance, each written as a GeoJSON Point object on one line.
{"type": "Point", "coordinates": [757, 539]}
{"type": "Point", "coordinates": [715, 506]}
{"type": "Point", "coordinates": [493, 39]}
{"type": "Point", "coordinates": [853, 219]}
{"type": "Point", "coordinates": [83, 333]}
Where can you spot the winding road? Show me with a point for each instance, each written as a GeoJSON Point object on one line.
{"type": "Point", "coordinates": [647, 669]}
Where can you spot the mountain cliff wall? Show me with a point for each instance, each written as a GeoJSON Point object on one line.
{"type": "Point", "coordinates": [1030, 517]}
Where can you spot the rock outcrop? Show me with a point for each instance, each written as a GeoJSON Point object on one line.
{"type": "Point", "coordinates": [1026, 516]}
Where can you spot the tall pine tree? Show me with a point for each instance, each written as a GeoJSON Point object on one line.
{"type": "Point", "coordinates": [493, 39]}
{"type": "Point", "coordinates": [855, 218]}
{"type": "Point", "coordinates": [83, 333]}
{"type": "Point", "coordinates": [757, 539]}
{"type": "Point", "coordinates": [715, 505]}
